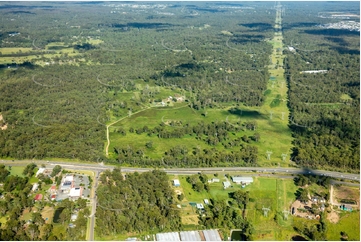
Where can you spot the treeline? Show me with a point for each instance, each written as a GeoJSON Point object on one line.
{"type": "Point", "coordinates": [212, 133]}
{"type": "Point", "coordinates": [138, 203]}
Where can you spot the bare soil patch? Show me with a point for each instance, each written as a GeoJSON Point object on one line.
{"type": "Point", "coordinates": [190, 219]}
{"type": "Point", "coordinates": [345, 192]}
{"type": "Point", "coordinates": [333, 217]}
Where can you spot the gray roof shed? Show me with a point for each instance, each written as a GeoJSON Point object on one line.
{"type": "Point", "coordinates": [171, 236]}
{"type": "Point", "coordinates": [212, 235]}
{"type": "Point", "coordinates": [190, 236]}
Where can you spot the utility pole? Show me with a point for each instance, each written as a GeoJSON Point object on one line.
{"type": "Point", "coordinates": [269, 153]}
{"type": "Point", "coordinates": [285, 214]}
{"type": "Point", "coordinates": [265, 211]}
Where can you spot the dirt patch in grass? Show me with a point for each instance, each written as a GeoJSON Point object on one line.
{"type": "Point", "coordinates": [333, 217]}
{"type": "Point", "coordinates": [190, 219]}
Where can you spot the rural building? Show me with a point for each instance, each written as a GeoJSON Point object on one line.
{"type": "Point", "coordinates": [314, 71]}
{"type": "Point", "coordinates": [190, 236]}
{"type": "Point", "coordinates": [171, 236]}
{"type": "Point", "coordinates": [66, 186]}
{"type": "Point", "coordinates": [290, 48]}
{"type": "Point", "coordinates": [75, 192]}
{"type": "Point", "coordinates": [206, 201]}
{"type": "Point", "coordinates": [52, 189]}
{"type": "Point", "coordinates": [38, 197]}
{"type": "Point", "coordinates": [226, 184]}
{"type": "Point", "coordinates": [244, 180]}
{"type": "Point", "coordinates": [74, 217]}
{"type": "Point", "coordinates": [346, 207]}
{"type": "Point", "coordinates": [213, 180]}
{"type": "Point", "coordinates": [52, 198]}
{"type": "Point", "coordinates": [176, 183]}
{"type": "Point", "coordinates": [40, 171]}
{"type": "Point", "coordinates": [35, 187]}
{"type": "Point", "coordinates": [211, 235]}
{"type": "Point", "coordinates": [200, 206]}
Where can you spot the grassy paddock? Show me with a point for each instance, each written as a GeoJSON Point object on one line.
{"type": "Point", "coordinates": [349, 223]}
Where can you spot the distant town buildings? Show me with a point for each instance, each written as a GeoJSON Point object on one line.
{"type": "Point", "coordinates": [349, 25]}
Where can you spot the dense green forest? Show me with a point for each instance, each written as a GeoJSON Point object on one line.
{"type": "Point", "coordinates": [141, 202]}
{"type": "Point", "coordinates": [67, 70]}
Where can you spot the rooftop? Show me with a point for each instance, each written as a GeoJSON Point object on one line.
{"type": "Point", "coordinates": [242, 179]}
{"type": "Point", "coordinates": [75, 192]}
{"type": "Point", "coordinates": [171, 236]}
{"type": "Point", "coordinates": [190, 236]}
{"type": "Point", "coordinates": [212, 235]}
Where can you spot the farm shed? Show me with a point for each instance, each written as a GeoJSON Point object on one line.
{"type": "Point", "coordinates": [75, 192]}
{"type": "Point", "coordinates": [242, 179]}
{"type": "Point", "coordinates": [211, 235]}
{"type": "Point", "coordinates": [176, 183]}
{"type": "Point", "coordinates": [171, 236]}
{"type": "Point", "coordinates": [190, 236]}
{"type": "Point", "coordinates": [226, 184]}
{"type": "Point", "coordinates": [346, 207]}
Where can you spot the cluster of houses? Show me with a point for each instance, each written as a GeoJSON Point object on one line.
{"type": "Point", "coordinates": [72, 186]}
{"type": "Point", "coordinates": [239, 180]}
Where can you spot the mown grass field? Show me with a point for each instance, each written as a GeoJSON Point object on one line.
{"type": "Point", "coordinates": [350, 223]}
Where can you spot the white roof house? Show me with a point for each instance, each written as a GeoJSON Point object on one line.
{"type": "Point", "coordinates": [206, 201]}
{"type": "Point", "coordinates": [176, 183]}
{"type": "Point", "coordinates": [75, 192]}
{"type": "Point", "coordinates": [242, 179]}
{"type": "Point", "coordinates": [35, 187]}
{"type": "Point", "coordinates": [73, 217]}
{"type": "Point", "coordinates": [226, 184]}
{"type": "Point", "coordinates": [200, 206]}
{"type": "Point", "coordinates": [41, 170]}
{"type": "Point", "coordinates": [69, 178]}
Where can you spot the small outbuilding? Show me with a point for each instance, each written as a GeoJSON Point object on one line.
{"type": "Point", "coordinates": [35, 187]}
{"type": "Point", "coordinates": [206, 201]}
{"type": "Point", "coordinates": [200, 206]}
{"type": "Point", "coordinates": [226, 184]}
{"type": "Point", "coordinates": [176, 183]}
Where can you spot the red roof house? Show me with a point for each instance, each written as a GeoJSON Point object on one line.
{"type": "Point", "coordinates": [38, 197]}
